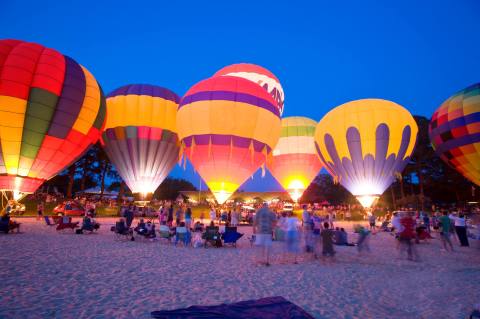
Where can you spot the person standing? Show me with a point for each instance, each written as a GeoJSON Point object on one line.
{"type": "Point", "coordinates": [461, 230]}
{"type": "Point", "coordinates": [396, 225]}
{"type": "Point", "coordinates": [170, 216]}
{"type": "Point", "coordinates": [235, 216]}
{"type": "Point", "coordinates": [292, 235]}
{"type": "Point", "coordinates": [426, 221]}
{"type": "Point", "coordinates": [129, 216]}
{"type": "Point", "coordinates": [39, 210]}
{"type": "Point", "coordinates": [372, 221]}
{"type": "Point", "coordinates": [305, 216]}
{"type": "Point", "coordinates": [213, 215]}
{"type": "Point", "coordinates": [162, 216]}
{"type": "Point", "coordinates": [188, 218]}
{"type": "Point", "coordinates": [445, 225]}
{"type": "Point", "coordinates": [178, 215]}
{"type": "Point", "coordinates": [263, 226]}
{"type": "Point", "coordinates": [348, 215]}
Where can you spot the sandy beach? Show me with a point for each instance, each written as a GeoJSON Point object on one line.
{"type": "Point", "coordinates": [46, 274]}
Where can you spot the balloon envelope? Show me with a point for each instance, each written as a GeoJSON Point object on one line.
{"type": "Point", "coordinates": [365, 143]}
{"type": "Point", "coordinates": [228, 127]}
{"type": "Point", "coordinates": [51, 110]}
{"type": "Point", "coordinates": [259, 75]}
{"type": "Point", "coordinates": [140, 135]}
{"type": "Point", "coordinates": [455, 132]}
{"type": "Point", "coordinates": [295, 162]}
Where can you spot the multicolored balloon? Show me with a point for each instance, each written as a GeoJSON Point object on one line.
{"type": "Point", "coordinates": [295, 162]}
{"type": "Point", "coordinates": [51, 110]}
{"type": "Point", "coordinates": [455, 132]}
{"type": "Point", "coordinates": [228, 127]}
{"type": "Point", "coordinates": [259, 75]}
{"type": "Point", "coordinates": [140, 136]}
{"type": "Point", "coordinates": [364, 144]}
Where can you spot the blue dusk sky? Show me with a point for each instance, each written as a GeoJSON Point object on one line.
{"type": "Point", "coordinates": [325, 53]}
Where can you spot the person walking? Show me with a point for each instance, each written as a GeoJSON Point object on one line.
{"type": "Point", "coordinates": [363, 243]}
{"type": "Point", "coordinates": [263, 226]}
{"type": "Point", "coordinates": [327, 241]}
{"type": "Point", "coordinates": [292, 236]}
{"type": "Point", "coordinates": [445, 225]}
{"type": "Point", "coordinates": [407, 235]}
{"type": "Point", "coordinates": [461, 230]}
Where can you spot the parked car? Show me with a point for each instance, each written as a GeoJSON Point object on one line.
{"type": "Point", "coordinates": [69, 209]}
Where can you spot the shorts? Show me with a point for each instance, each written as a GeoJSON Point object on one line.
{"type": "Point", "coordinates": [263, 240]}
{"type": "Point", "coordinates": [372, 224]}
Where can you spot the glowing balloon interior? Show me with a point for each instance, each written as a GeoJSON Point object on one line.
{"type": "Point", "coordinates": [455, 132]}
{"type": "Point", "coordinates": [51, 110]}
{"type": "Point", "coordinates": [140, 135]}
{"type": "Point", "coordinates": [364, 144]}
{"type": "Point", "coordinates": [228, 127]}
{"type": "Point", "coordinates": [295, 162]}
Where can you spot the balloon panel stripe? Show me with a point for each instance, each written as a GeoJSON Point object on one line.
{"type": "Point", "coordinates": [229, 96]}
{"type": "Point", "coordinates": [70, 101]}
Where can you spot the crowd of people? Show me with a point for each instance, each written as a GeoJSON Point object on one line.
{"type": "Point", "coordinates": [313, 232]}
{"type": "Point", "coordinates": [176, 224]}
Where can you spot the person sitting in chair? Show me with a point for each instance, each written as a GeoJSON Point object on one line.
{"type": "Point", "coordinates": [141, 229]}
{"type": "Point", "coordinates": [7, 224]}
{"type": "Point", "coordinates": [197, 240]}
{"type": "Point", "coordinates": [150, 230]}
{"type": "Point", "coordinates": [89, 224]}
{"type": "Point", "coordinates": [164, 230]}
{"type": "Point", "coordinates": [182, 234]}
{"type": "Point", "coordinates": [198, 227]}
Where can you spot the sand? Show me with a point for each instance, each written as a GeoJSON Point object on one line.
{"type": "Point", "coordinates": [46, 274]}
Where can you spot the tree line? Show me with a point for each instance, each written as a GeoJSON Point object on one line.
{"type": "Point", "coordinates": [425, 181]}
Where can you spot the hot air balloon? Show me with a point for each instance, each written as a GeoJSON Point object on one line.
{"type": "Point", "coordinates": [365, 144]}
{"type": "Point", "coordinates": [228, 127]}
{"type": "Point", "coordinates": [51, 110]}
{"type": "Point", "coordinates": [455, 132]}
{"type": "Point", "coordinates": [140, 135]}
{"type": "Point", "coordinates": [259, 75]}
{"type": "Point", "coordinates": [295, 162]}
